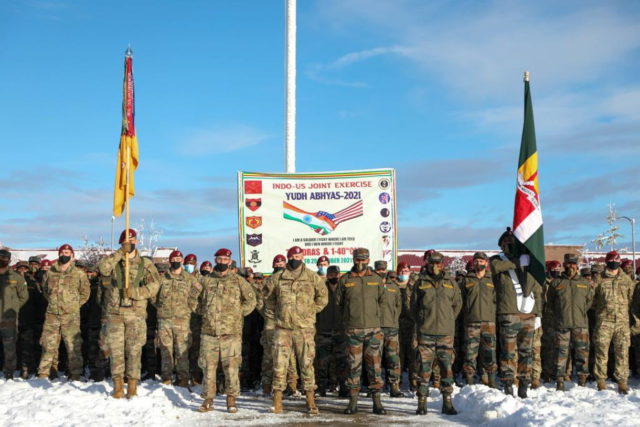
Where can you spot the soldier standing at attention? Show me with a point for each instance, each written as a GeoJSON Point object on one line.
{"type": "Point", "coordinates": [13, 295]}
{"type": "Point", "coordinates": [126, 310]}
{"type": "Point", "coordinates": [390, 309]}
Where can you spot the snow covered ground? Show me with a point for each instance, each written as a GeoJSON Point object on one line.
{"type": "Point", "coordinates": [60, 403]}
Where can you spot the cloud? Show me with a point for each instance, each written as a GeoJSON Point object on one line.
{"type": "Point", "coordinates": [593, 187]}
{"type": "Point", "coordinates": [449, 236]}
{"type": "Point", "coordinates": [203, 142]}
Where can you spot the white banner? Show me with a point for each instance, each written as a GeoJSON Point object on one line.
{"type": "Point", "coordinates": [326, 213]}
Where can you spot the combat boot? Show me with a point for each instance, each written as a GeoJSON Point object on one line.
{"type": "Point", "coordinates": [422, 405]}
{"type": "Point", "coordinates": [181, 382]}
{"type": "Point", "coordinates": [312, 409]}
{"type": "Point", "coordinates": [523, 386]}
{"type": "Point", "coordinates": [469, 379]}
{"type": "Point", "coordinates": [602, 385]}
{"type": "Point", "coordinates": [231, 405]}
{"type": "Point", "coordinates": [97, 375]}
{"type": "Point", "coordinates": [535, 383]}
{"type": "Point", "coordinates": [394, 390]}
{"type": "Point", "coordinates": [322, 391]}
{"type": "Point", "coordinates": [560, 386]}
{"type": "Point", "coordinates": [623, 388]}
{"type": "Point", "coordinates": [206, 406]}
{"type": "Point", "coordinates": [491, 380]}
{"type": "Point", "coordinates": [447, 405]}
{"type": "Point", "coordinates": [343, 391]}
{"type": "Point", "coordinates": [132, 388]}
{"type": "Point", "coordinates": [352, 407]}
{"type": "Point", "coordinates": [277, 402]}
{"type": "Point", "coordinates": [74, 377]}
{"type": "Point", "coordinates": [118, 388]}
{"type": "Point", "coordinates": [24, 373]}
{"type": "Point", "coordinates": [508, 388]}
{"type": "Point", "coordinates": [377, 404]}
{"type": "Point", "coordinates": [266, 389]}
{"type": "Point", "coordinates": [582, 380]}
{"type": "Point", "coordinates": [53, 373]}
{"type": "Point", "coordinates": [166, 381]}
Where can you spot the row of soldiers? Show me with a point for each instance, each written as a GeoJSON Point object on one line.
{"type": "Point", "coordinates": [350, 320]}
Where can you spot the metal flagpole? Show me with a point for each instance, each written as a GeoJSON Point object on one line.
{"type": "Point", "coordinates": [290, 87]}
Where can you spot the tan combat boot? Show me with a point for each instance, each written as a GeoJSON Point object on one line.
{"type": "Point", "coordinates": [623, 388]}
{"type": "Point", "coordinates": [277, 402]}
{"type": "Point", "coordinates": [535, 383]}
{"type": "Point", "coordinates": [312, 409]}
{"type": "Point", "coordinates": [132, 388]}
{"type": "Point", "coordinates": [118, 388]}
{"type": "Point", "coordinates": [231, 405]}
{"type": "Point", "coordinates": [602, 385]}
{"type": "Point", "coordinates": [206, 406]}
{"type": "Point", "coordinates": [266, 389]}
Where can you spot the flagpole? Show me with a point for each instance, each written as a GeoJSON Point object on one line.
{"type": "Point", "coordinates": [290, 108]}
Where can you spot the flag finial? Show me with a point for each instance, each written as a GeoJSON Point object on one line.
{"type": "Point", "coordinates": [129, 52]}
{"type": "Point", "coordinates": [526, 76]}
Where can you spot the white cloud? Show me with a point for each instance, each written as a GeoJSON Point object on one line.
{"type": "Point", "coordinates": [202, 142]}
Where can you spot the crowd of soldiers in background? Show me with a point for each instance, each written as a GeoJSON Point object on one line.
{"type": "Point", "coordinates": [318, 330]}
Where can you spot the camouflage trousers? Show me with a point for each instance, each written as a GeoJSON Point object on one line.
{"type": "Point", "coordinates": [536, 354]}
{"type": "Point", "coordinates": [301, 343]}
{"type": "Point", "coordinates": [66, 327]}
{"type": "Point", "coordinates": [226, 349]}
{"type": "Point", "coordinates": [194, 351]}
{"type": "Point", "coordinates": [391, 355]}
{"type": "Point", "coordinates": [480, 340]}
{"type": "Point", "coordinates": [605, 333]}
{"type": "Point", "coordinates": [408, 351]}
{"type": "Point", "coordinates": [9, 337]}
{"type": "Point", "coordinates": [368, 342]}
{"type": "Point", "coordinates": [516, 338]}
{"type": "Point", "coordinates": [436, 349]}
{"type": "Point", "coordinates": [125, 335]}
{"type": "Point", "coordinates": [266, 369]}
{"type": "Point", "coordinates": [331, 358]}
{"type": "Point", "coordinates": [174, 336]}
{"type": "Point", "coordinates": [579, 338]}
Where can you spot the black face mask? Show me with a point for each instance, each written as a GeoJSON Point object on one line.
{"type": "Point", "coordinates": [4, 263]}
{"type": "Point", "coordinates": [276, 269]}
{"type": "Point", "coordinates": [221, 267]}
{"type": "Point", "coordinates": [555, 274]}
{"type": "Point", "coordinates": [333, 280]}
{"type": "Point", "coordinates": [204, 272]}
{"type": "Point", "coordinates": [175, 265]}
{"type": "Point", "coordinates": [481, 267]}
{"type": "Point", "coordinates": [64, 259]}
{"type": "Point", "coordinates": [613, 265]}
{"type": "Point", "coordinates": [294, 263]}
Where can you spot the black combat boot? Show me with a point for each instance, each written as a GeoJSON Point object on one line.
{"type": "Point", "coordinates": [491, 380]}
{"type": "Point", "coordinates": [560, 386]}
{"type": "Point", "coordinates": [523, 386]}
{"type": "Point", "coordinates": [447, 405]}
{"type": "Point", "coordinates": [422, 405]}
{"type": "Point", "coordinates": [508, 388]}
{"type": "Point", "coordinates": [352, 407]}
{"type": "Point", "coordinates": [469, 379]}
{"type": "Point", "coordinates": [343, 391]}
{"type": "Point", "coordinates": [377, 404]}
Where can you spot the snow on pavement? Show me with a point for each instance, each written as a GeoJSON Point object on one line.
{"type": "Point", "coordinates": [60, 403]}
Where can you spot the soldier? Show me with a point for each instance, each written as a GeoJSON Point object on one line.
{"type": "Point", "coordinates": [13, 295]}
{"type": "Point", "coordinates": [359, 295]}
{"type": "Point", "coordinates": [585, 273]}
{"type": "Point", "coordinates": [195, 324]}
{"type": "Point", "coordinates": [66, 288]}
{"type": "Point", "coordinates": [514, 305]}
{"type": "Point", "coordinates": [406, 332]}
{"type": "Point", "coordinates": [544, 338]}
{"type": "Point", "coordinates": [30, 323]}
{"type": "Point", "coordinates": [331, 342]}
{"type": "Point", "coordinates": [177, 289]}
{"type": "Point", "coordinates": [206, 268]}
{"type": "Point", "coordinates": [480, 321]}
{"type": "Point", "coordinates": [569, 297]}
{"type": "Point", "coordinates": [611, 302]}
{"type": "Point", "coordinates": [435, 304]}
{"type": "Point", "coordinates": [126, 309]}
{"type": "Point", "coordinates": [225, 298]}
{"type": "Point", "coordinates": [251, 353]}
{"type": "Point", "coordinates": [380, 268]}
{"type": "Point", "coordinates": [323, 265]}
{"type": "Point", "coordinates": [390, 309]}
{"type": "Point", "coordinates": [627, 266]}
{"type": "Point", "coordinates": [295, 296]}
{"type": "Point", "coordinates": [96, 359]}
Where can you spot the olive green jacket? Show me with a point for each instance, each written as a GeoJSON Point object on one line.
{"type": "Point", "coordinates": [330, 318]}
{"type": "Point", "coordinates": [569, 299]}
{"type": "Point", "coordinates": [479, 298]}
{"type": "Point", "coordinates": [435, 304]}
{"type": "Point", "coordinates": [359, 299]}
{"type": "Point", "coordinates": [13, 295]}
{"type": "Point", "coordinates": [65, 290]}
{"type": "Point", "coordinates": [391, 305]}
{"type": "Point", "coordinates": [506, 300]}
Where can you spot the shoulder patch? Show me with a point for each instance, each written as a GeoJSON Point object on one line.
{"type": "Point", "coordinates": [470, 284]}
{"type": "Point", "coordinates": [391, 290]}
{"type": "Point", "coordinates": [373, 283]}
{"type": "Point", "coordinates": [349, 284]}
{"type": "Point", "coordinates": [581, 286]}
{"type": "Point", "coordinates": [447, 285]}
{"type": "Point", "coordinates": [426, 286]}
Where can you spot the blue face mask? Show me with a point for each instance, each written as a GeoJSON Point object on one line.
{"type": "Point", "coordinates": [322, 270]}
{"type": "Point", "coordinates": [190, 268]}
{"type": "Point", "coordinates": [403, 277]}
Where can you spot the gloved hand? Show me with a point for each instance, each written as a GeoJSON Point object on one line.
{"type": "Point", "coordinates": [537, 323]}
{"type": "Point", "coordinates": [129, 292]}
{"type": "Point", "coordinates": [524, 260]}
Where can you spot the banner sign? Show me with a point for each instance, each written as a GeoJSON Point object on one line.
{"type": "Point", "coordinates": [326, 213]}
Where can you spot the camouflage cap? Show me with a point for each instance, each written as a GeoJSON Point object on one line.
{"type": "Point", "coordinates": [361, 253]}
{"type": "Point", "coordinates": [570, 258]}
{"type": "Point", "coordinates": [22, 264]}
{"type": "Point", "coordinates": [34, 259]}
{"type": "Point", "coordinates": [380, 265]}
{"type": "Point", "coordinates": [585, 271]}
{"type": "Point", "coordinates": [480, 255]}
{"type": "Point", "coordinates": [5, 253]}
{"type": "Point", "coordinates": [333, 269]}
{"type": "Point", "coordinates": [597, 268]}
{"type": "Point", "coordinates": [435, 257]}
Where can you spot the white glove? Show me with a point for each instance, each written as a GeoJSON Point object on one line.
{"type": "Point", "coordinates": [524, 260]}
{"type": "Point", "coordinates": [537, 323]}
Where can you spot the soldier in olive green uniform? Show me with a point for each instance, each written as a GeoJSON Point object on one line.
{"type": "Point", "coordinates": [390, 309]}
{"type": "Point", "coordinates": [480, 321]}
{"type": "Point", "coordinates": [570, 298]}
{"type": "Point", "coordinates": [13, 295]}
{"type": "Point", "coordinates": [172, 302]}
{"type": "Point", "coordinates": [296, 295]}
{"type": "Point", "coordinates": [435, 304]}
{"type": "Point", "coordinates": [359, 295]}
{"type": "Point", "coordinates": [66, 288]}
{"type": "Point", "coordinates": [126, 309]}
{"type": "Point", "coordinates": [612, 301]}
{"type": "Point", "coordinates": [406, 332]}
{"type": "Point", "coordinates": [225, 299]}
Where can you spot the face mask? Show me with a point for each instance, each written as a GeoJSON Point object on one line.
{"type": "Point", "coordinates": [64, 259]}
{"type": "Point", "coordinates": [333, 280]}
{"type": "Point", "coordinates": [403, 277]}
{"type": "Point", "coordinates": [4, 263]}
{"type": "Point", "coordinates": [437, 269]}
{"type": "Point", "coordinates": [481, 267]}
{"type": "Point", "coordinates": [128, 247]}
{"type": "Point", "coordinates": [360, 267]}
{"type": "Point", "coordinates": [510, 249]}
{"type": "Point", "coordinates": [276, 269]}
{"type": "Point", "coordinates": [190, 268]}
{"type": "Point", "coordinates": [176, 265]}
{"type": "Point", "coordinates": [294, 263]}
{"type": "Point", "coordinates": [221, 267]}
{"type": "Point", "coordinates": [613, 265]}
{"type": "Point", "coordinates": [322, 270]}
{"type": "Point", "coordinates": [204, 272]}
{"type": "Point", "coordinates": [555, 274]}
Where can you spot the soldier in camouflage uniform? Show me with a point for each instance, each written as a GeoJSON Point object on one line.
{"type": "Point", "coordinates": [359, 296]}
{"type": "Point", "coordinates": [29, 323]}
{"type": "Point", "coordinates": [569, 297]}
{"type": "Point", "coordinates": [435, 304]}
{"type": "Point", "coordinates": [177, 290]}
{"type": "Point", "coordinates": [126, 309]}
{"type": "Point", "coordinates": [13, 295]}
{"type": "Point", "coordinates": [224, 300]}
{"type": "Point", "coordinates": [66, 288]}
{"type": "Point", "coordinates": [406, 332]}
{"type": "Point", "coordinates": [96, 358]}
{"type": "Point", "coordinates": [612, 301]}
{"type": "Point", "coordinates": [195, 324]}
{"type": "Point", "coordinates": [480, 321]}
{"type": "Point", "coordinates": [515, 303]}
{"type": "Point", "coordinates": [296, 295]}
{"type": "Point", "coordinates": [390, 309]}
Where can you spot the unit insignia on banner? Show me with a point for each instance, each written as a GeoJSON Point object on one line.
{"type": "Point", "coordinates": [254, 221]}
{"type": "Point", "coordinates": [253, 204]}
{"type": "Point", "coordinates": [254, 239]}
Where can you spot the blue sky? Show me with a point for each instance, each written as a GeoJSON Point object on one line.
{"type": "Point", "coordinates": [431, 88]}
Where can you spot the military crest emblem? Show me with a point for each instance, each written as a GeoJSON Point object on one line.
{"type": "Point", "coordinates": [253, 204]}
{"type": "Point", "coordinates": [254, 221]}
{"type": "Point", "coordinates": [254, 239]}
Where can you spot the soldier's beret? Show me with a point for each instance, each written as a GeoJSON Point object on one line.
{"type": "Point", "coordinates": [63, 247]}
{"type": "Point", "coordinates": [223, 252]}
{"type": "Point", "coordinates": [205, 264]}
{"type": "Point", "coordinates": [571, 258]}
{"type": "Point", "coordinates": [294, 250]}
{"type": "Point", "coordinates": [553, 265]}
{"type": "Point", "coordinates": [480, 255]}
{"type": "Point", "coordinates": [428, 252]}
{"type": "Point", "coordinates": [322, 259]}
{"type": "Point", "coordinates": [279, 258]}
{"type": "Point", "coordinates": [403, 265]}
{"type": "Point", "coordinates": [45, 262]}
{"type": "Point", "coordinates": [625, 262]}
{"type": "Point", "coordinates": [361, 253]}
{"type": "Point", "coordinates": [333, 269]}
{"type": "Point", "coordinates": [34, 259]}
{"type": "Point", "coordinates": [132, 234]}
{"type": "Point", "coordinates": [435, 257]}
{"type": "Point", "coordinates": [5, 253]}
{"type": "Point", "coordinates": [191, 257]}
{"type": "Point", "coordinates": [612, 256]}
{"type": "Point", "coordinates": [380, 265]}
{"type": "Point", "coordinates": [175, 254]}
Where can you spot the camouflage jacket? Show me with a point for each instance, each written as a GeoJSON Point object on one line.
{"type": "Point", "coordinates": [479, 298]}
{"type": "Point", "coordinates": [391, 305]}
{"type": "Point", "coordinates": [330, 318]}
{"type": "Point", "coordinates": [506, 300]}
{"type": "Point", "coordinates": [224, 301]}
{"type": "Point", "coordinates": [144, 281]}
{"type": "Point", "coordinates": [13, 295]}
{"type": "Point", "coordinates": [177, 296]}
{"type": "Point", "coordinates": [435, 304]}
{"type": "Point", "coordinates": [569, 299]}
{"type": "Point", "coordinates": [295, 297]}
{"type": "Point", "coordinates": [613, 296]}
{"type": "Point", "coordinates": [359, 298]}
{"type": "Point", "coordinates": [65, 290]}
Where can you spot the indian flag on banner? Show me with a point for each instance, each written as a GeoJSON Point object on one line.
{"type": "Point", "coordinates": [322, 222]}
{"type": "Point", "coordinates": [527, 216]}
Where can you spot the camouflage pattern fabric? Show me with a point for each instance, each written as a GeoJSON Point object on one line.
{"type": "Point", "coordinates": [174, 337]}
{"type": "Point", "coordinates": [266, 369]}
{"type": "Point", "coordinates": [408, 346]}
{"type": "Point", "coordinates": [391, 355]}
{"type": "Point", "coordinates": [301, 343]}
{"type": "Point", "coordinates": [331, 359]}
{"type": "Point", "coordinates": [226, 349]}
{"type": "Point", "coordinates": [438, 348]}
{"type": "Point", "coordinates": [126, 333]}
{"type": "Point", "coordinates": [67, 327]}
{"type": "Point", "coordinates": [579, 338]}
{"type": "Point", "coordinates": [195, 326]}
{"type": "Point", "coordinates": [368, 342]}
{"type": "Point", "coordinates": [608, 332]}
{"type": "Point", "coordinates": [516, 338]}
{"type": "Point", "coordinates": [480, 340]}
{"type": "Point", "coordinates": [536, 354]}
